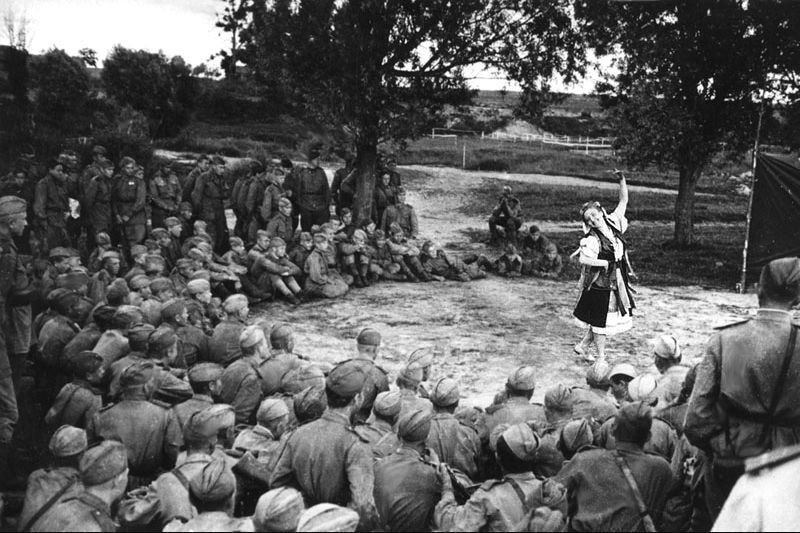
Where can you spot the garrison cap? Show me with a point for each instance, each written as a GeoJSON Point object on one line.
{"type": "Point", "coordinates": [251, 336]}
{"type": "Point", "coordinates": [102, 238]}
{"type": "Point", "coordinates": [781, 277]}
{"type": "Point", "coordinates": [235, 241]}
{"type": "Point", "coordinates": [154, 263]}
{"type": "Point", "coordinates": [643, 388]}
{"type": "Point", "coordinates": [172, 221]}
{"type": "Point", "coordinates": [305, 236]}
{"type": "Point", "coordinates": [214, 484]}
{"type": "Point", "coordinates": [125, 315]}
{"type": "Point", "coordinates": [598, 374]}
{"type": "Point", "coordinates": [369, 337]}
{"type": "Point", "coordinates": [172, 308]}
{"type": "Point", "coordinates": [379, 234]}
{"type": "Point", "coordinates": [161, 284]}
{"type": "Point", "coordinates": [284, 202]}
{"type": "Point", "coordinates": [59, 252]}
{"type": "Point", "coordinates": [346, 379]}
{"type": "Point", "coordinates": [201, 274]}
{"type": "Point", "coordinates": [201, 426]}
{"type": "Point", "coordinates": [73, 280]}
{"type": "Point", "coordinates": [196, 254]}
{"type": "Point", "coordinates": [523, 379]}
{"type": "Point", "coordinates": [139, 281]}
{"type": "Point", "coordinates": [161, 339]}
{"type": "Point", "coordinates": [320, 238]}
{"type": "Point", "coordinates": [11, 206]}
{"type": "Point", "coordinates": [275, 242]}
{"type": "Point", "coordinates": [328, 516]}
{"type": "Point", "coordinates": [99, 149]}
{"type": "Point", "coordinates": [410, 376]}
{"type": "Point", "coordinates": [138, 249]}
{"type": "Point", "coordinates": [279, 332]}
{"type": "Point", "coordinates": [196, 286]}
{"type": "Point", "coordinates": [68, 441]}
{"type": "Point", "coordinates": [234, 303]}
{"type": "Point", "coordinates": [63, 302]}
{"type": "Point", "coordinates": [623, 369]}
{"type": "Point", "coordinates": [576, 434]}
{"type": "Point", "coordinates": [85, 362]}
{"type": "Point", "coordinates": [262, 234]}
{"type": "Point", "coordinates": [117, 291]}
{"type": "Point", "coordinates": [309, 403]}
{"type": "Point", "coordinates": [522, 441]}
{"type": "Point", "coordinates": [102, 316]}
{"type": "Point", "coordinates": [360, 234]}
{"type": "Point", "coordinates": [414, 426]}
{"type": "Point", "coordinates": [183, 206]}
{"type": "Point", "coordinates": [387, 404]}
{"type": "Point", "coordinates": [159, 232]}
{"type": "Point", "coordinates": [110, 254]}
{"type": "Point", "coordinates": [139, 334]}
{"type": "Point", "coordinates": [495, 434]}
{"type": "Point", "coordinates": [127, 160]}
{"type": "Point", "coordinates": [271, 409]}
{"type": "Point", "coordinates": [558, 398]}
{"type": "Point", "coordinates": [278, 510]}
{"type": "Point", "coordinates": [633, 422]}
{"type": "Point", "coordinates": [667, 347]}
{"type": "Point", "coordinates": [445, 392]}
{"type": "Point", "coordinates": [223, 415]}
{"type": "Point", "coordinates": [422, 357]}
{"type": "Point", "coordinates": [205, 372]}
{"type": "Point", "coordinates": [103, 463]}
{"type": "Point", "coordinates": [184, 262]}
{"type": "Point", "coordinates": [138, 374]}
{"type": "Point", "coordinates": [301, 377]}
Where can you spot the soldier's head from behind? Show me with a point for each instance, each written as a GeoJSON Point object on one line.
{"type": "Point", "coordinates": [368, 342]}
{"type": "Point", "coordinates": [126, 316]}
{"type": "Point", "coordinates": [253, 343]}
{"type": "Point", "coordinates": [445, 395]}
{"type": "Point", "coordinates": [422, 357]}
{"type": "Point", "coordinates": [213, 489]}
{"type": "Point", "coordinates": [666, 352]}
{"type": "Point", "coordinates": [273, 414]}
{"type": "Point", "coordinates": [279, 510]}
{"type": "Point", "coordinates": [13, 214]}
{"type": "Point", "coordinates": [779, 284]}
{"type": "Point", "coordinates": [162, 345]}
{"type": "Point", "coordinates": [558, 403]}
{"type": "Point", "coordinates": [521, 382]}
{"type": "Point", "coordinates": [236, 306]}
{"type": "Point", "coordinates": [138, 338]}
{"type": "Point", "coordinates": [574, 436]}
{"type": "Point", "coordinates": [87, 366]}
{"type": "Point", "coordinates": [285, 207]}
{"type": "Point", "coordinates": [410, 377]}
{"type": "Point", "coordinates": [597, 376]}
{"type": "Point", "coordinates": [644, 388]}
{"type": "Point", "coordinates": [387, 407]}
{"type": "Point", "coordinates": [343, 386]}
{"type": "Point", "coordinates": [104, 471]}
{"type": "Point", "coordinates": [67, 446]}
{"type": "Point", "coordinates": [309, 404]}
{"type": "Point", "coordinates": [516, 448]}
{"type": "Point", "coordinates": [328, 517]}
{"type": "Point", "coordinates": [620, 376]}
{"type": "Point", "coordinates": [200, 290]}
{"type": "Point", "coordinates": [633, 422]}
{"type": "Point", "coordinates": [204, 378]}
{"type": "Point", "coordinates": [414, 426]}
{"type": "Point", "coordinates": [281, 337]}
{"type": "Point", "coordinates": [118, 293]}
{"type": "Point", "coordinates": [200, 433]}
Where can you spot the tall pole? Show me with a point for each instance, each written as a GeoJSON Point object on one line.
{"type": "Point", "coordinates": [743, 281]}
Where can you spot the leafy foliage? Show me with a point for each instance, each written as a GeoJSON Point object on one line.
{"type": "Point", "coordinates": [61, 92]}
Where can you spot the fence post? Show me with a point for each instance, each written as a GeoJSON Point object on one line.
{"type": "Point", "coordinates": [464, 156]}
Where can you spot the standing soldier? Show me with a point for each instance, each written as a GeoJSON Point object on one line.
{"type": "Point", "coordinates": [744, 401]}
{"type": "Point", "coordinates": [95, 168]}
{"type": "Point", "coordinates": [403, 214]}
{"type": "Point", "coordinates": [239, 199]}
{"type": "Point", "coordinates": [128, 197]}
{"type": "Point", "coordinates": [165, 196]}
{"type": "Point", "coordinates": [96, 206]}
{"type": "Point", "coordinates": [208, 197]}
{"type": "Point", "coordinates": [313, 193]}
{"type": "Point", "coordinates": [342, 197]}
{"type": "Point", "coordinates": [51, 207]}
{"type": "Point", "coordinates": [252, 204]}
{"type": "Point", "coordinates": [271, 200]}
{"type": "Point", "coordinates": [189, 181]}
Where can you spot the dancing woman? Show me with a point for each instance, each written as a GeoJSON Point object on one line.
{"type": "Point", "coordinates": [606, 300]}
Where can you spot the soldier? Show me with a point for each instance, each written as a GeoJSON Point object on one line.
{"type": "Point", "coordinates": [406, 255]}
{"type": "Point", "coordinates": [128, 202]}
{"type": "Point", "coordinates": [407, 483]}
{"type": "Point", "coordinates": [137, 335]}
{"type": "Point", "coordinates": [535, 244]}
{"type": "Point", "coordinates": [744, 398]}
{"type": "Point", "coordinates": [208, 197]}
{"type": "Point", "coordinates": [280, 225]}
{"type": "Point", "coordinates": [454, 442]}
{"type": "Point", "coordinates": [98, 286]}
{"type": "Point", "coordinates": [311, 192]}
{"type": "Point", "coordinates": [320, 280]}
{"type": "Point", "coordinates": [408, 382]}
{"type": "Point", "coordinates": [309, 405]}
{"type": "Point", "coordinates": [389, 166]}
{"type": "Point", "coordinates": [262, 440]}
{"type": "Point", "coordinates": [385, 196]}
{"type": "Point", "coordinates": [104, 475]}
{"type": "Point", "coordinates": [77, 402]}
{"type": "Point", "coordinates": [378, 431]}
{"type": "Point", "coordinates": [54, 337]}
{"type": "Point", "coordinates": [594, 402]}
{"type": "Point", "coordinates": [224, 343]}
{"type": "Point", "coordinates": [498, 505]}
{"type": "Point", "coordinates": [253, 198]}
{"type": "Point", "coordinates": [193, 346]}
{"type": "Point", "coordinates": [281, 361]}
{"type": "Point", "coordinates": [423, 358]}
{"type": "Point", "coordinates": [188, 183]}
{"type": "Point", "coordinates": [343, 198]}
{"type": "Point", "coordinates": [96, 205]}
{"type": "Point", "coordinates": [241, 385]}
{"type": "Point", "coordinates": [620, 376]}
{"type": "Point", "coordinates": [271, 198]}
{"type": "Point", "coordinates": [278, 510]}
{"type": "Point", "coordinates": [280, 271]}
{"type": "Point", "coordinates": [164, 195]}
{"type": "Point", "coordinates": [113, 343]}
{"type": "Point", "coordinates": [326, 459]}
{"type": "Point", "coordinates": [94, 168]}
{"type": "Point", "coordinates": [667, 359]}
{"type": "Point", "coordinates": [181, 275]}
{"type": "Point", "coordinates": [48, 486]}
{"type": "Point", "coordinates": [508, 216]}
{"type": "Point", "coordinates": [51, 207]}
{"type": "Point", "coordinates": [149, 432]}
{"type": "Point", "coordinates": [87, 338]}
{"type": "Point", "coordinates": [328, 517]}
{"type": "Point", "coordinates": [517, 406]}
{"type": "Point", "coordinates": [368, 343]}
{"type": "Point", "coordinates": [402, 214]}
{"type": "Point", "coordinates": [621, 490]}
{"type": "Point", "coordinates": [204, 379]}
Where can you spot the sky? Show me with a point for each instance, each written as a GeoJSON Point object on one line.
{"type": "Point", "coordinates": [176, 27]}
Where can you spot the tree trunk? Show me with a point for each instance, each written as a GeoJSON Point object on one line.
{"type": "Point", "coordinates": [684, 205]}
{"type": "Point", "coordinates": [366, 158]}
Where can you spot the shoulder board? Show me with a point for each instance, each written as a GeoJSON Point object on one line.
{"type": "Point", "coordinates": [381, 369]}
{"type": "Point", "coordinates": [361, 431]}
{"type": "Point", "coordinates": [737, 323]}
{"type": "Point", "coordinates": [160, 403]}
{"type": "Point", "coordinates": [355, 432]}
{"type": "Point", "coordinates": [486, 485]}
{"type": "Point", "coordinates": [772, 459]}
{"type": "Point", "coordinates": [107, 407]}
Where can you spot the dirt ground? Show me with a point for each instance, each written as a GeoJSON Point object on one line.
{"type": "Point", "coordinates": [482, 330]}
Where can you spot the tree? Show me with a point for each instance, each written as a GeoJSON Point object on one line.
{"type": "Point", "coordinates": [693, 78]}
{"type": "Point", "coordinates": [88, 56]}
{"type": "Point", "coordinates": [17, 28]}
{"type": "Point", "coordinates": [61, 101]}
{"type": "Point", "coordinates": [233, 19]}
{"type": "Point", "coordinates": [380, 69]}
{"type": "Point", "coordinates": [162, 89]}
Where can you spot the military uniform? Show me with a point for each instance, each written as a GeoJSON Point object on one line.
{"type": "Point", "coordinates": [75, 405]}
{"type": "Point", "coordinates": [592, 403]}
{"type": "Point", "coordinates": [97, 205]}
{"type": "Point", "coordinates": [455, 443]}
{"type": "Point", "coordinates": [272, 370]}
{"type": "Point", "coordinates": [193, 344]}
{"type": "Point", "coordinates": [670, 384]}
{"type": "Point", "coordinates": [165, 195]}
{"type": "Point", "coordinates": [82, 511]}
{"type": "Point", "coordinates": [98, 286]}
{"type": "Point", "coordinates": [515, 410]}
{"type": "Point", "coordinates": [735, 382]}
{"type": "Point", "coordinates": [320, 280]}
{"type": "Point", "coordinates": [43, 485]}
{"type": "Point", "coordinates": [184, 410]}
{"type": "Point", "coordinates": [224, 343]}
{"type": "Point", "coordinates": [172, 489]}
{"type": "Point", "coordinates": [168, 388]}
{"type": "Point", "coordinates": [376, 383]}
{"type": "Point", "coordinates": [663, 438]}
{"type": "Point", "coordinates": [313, 197]}
{"type": "Point", "coordinates": [409, 401]}
{"type": "Point", "coordinates": [404, 215]}
{"type": "Point", "coordinates": [252, 205]}
{"type": "Point", "coordinates": [241, 388]}
{"type": "Point", "coordinates": [372, 432]}
{"type": "Point", "coordinates": [257, 440]}
{"type": "Point", "coordinates": [54, 337]}
{"type": "Point", "coordinates": [268, 208]}
{"type": "Point", "coordinates": [51, 206]}
{"type": "Point", "coordinates": [498, 505]}
{"type": "Point", "coordinates": [208, 199]}
{"type": "Point", "coordinates": [84, 340]}
{"type": "Point", "coordinates": [281, 226]}
{"type": "Point", "coordinates": [128, 199]}
{"type": "Point", "coordinates": [407, 489]}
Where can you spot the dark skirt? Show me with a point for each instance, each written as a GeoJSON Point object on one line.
{"type": "Point", "coordinates": [592, 307]}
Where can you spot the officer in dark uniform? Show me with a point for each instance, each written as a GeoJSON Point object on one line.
{"type": "Point", "coordinates": [313, 194]}
{"type": "Point", "coordinates": [165, 196]}
{"type": "Point", "coordinates": [51, 207]}
{"type": "Point", "coordinates": [96, 204]}
{"type": "Point", "coordinates": [128, 197]}
{"type": "Point", "coordinates": [208, 199]}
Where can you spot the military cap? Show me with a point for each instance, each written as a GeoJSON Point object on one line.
{"type": "Point", "coordinates": [379, 234]}
{"type": "Point", "coordinates": [414, 426]}
{"type": "Point", "coordinates": [305, 236]}
{"type": "Point", "coordinates": [103, 315]}
{"type": "Point", "coordinates": [346, 379]}
{"type": "Point", "coordinates": [394, 228]}
{"type": "Point", "coordinates": [99, 149]}
{"type": "Point", "coordinates": [278, 510]}
{"type": "Point", "coordinates": [251, 336]}
{"type": "Point", "coordinates": [217, 160]}
{"type": "Point", "coordinates": [387, 404]}
{"type": "Point", "coordinates": [203, 245]}
{"type": "Point", "coordinates": [235, 241]}
{"type": "Point", "coordinates": [137, 374]}
{"type": "Point", "coordinates": [161, 284]}
{"type": "Point", "coordinates": [196, 254]}
{"type": "Point", "coordinates": [234, 303]}
{"type": "Point", "coordinates": [103, 463]}
{"type": "Point", "coordinates": [184, 262]}
{"type": "Point", "coordinates": [410, 376]}
{"type": "Point", "coordinates": [623, 369]}
{"type": "Point", "coordinates": [781, 278]}
{"type": "Point", "coordinates": [262, 234]}
{"type": "Point", "coordinates": [197, 286]}
{"type": "Point", "coordinates": [203, 157]}
{"type": "Point", "coordinates": [102, 239]}
{"type": "Point", "coordinates": [558, 398]}
{"type": "Point", "coordinates": [59, 252]}
{"type": "Point", "coordinates": [275, 242]}
{"type": "Point", "coordinates": [139, 334]}
{"type": "Point", "coordinates": [314, 152]}
{"type": "Point", "coordinates": [523, 379]}
{"type": "Point", "coordinates": [125, 315]}
{"type": "Point", "coordinates": [279, 332]}
{"type": "Point", "coordinates": [172, 308]}
{"type": "Point", "coordinates": [12, 205]}
{"type": "Point", "coordinates": [320, 238]}
{"type": "Point", "coordinates": [297, 379]}
{"type": "Point", "coordinates": [667, 347]}
{"type": "Point", "coordinates": [55, 295]}
{"type": "Point", "coordinates": [110, 254]}
{"type": "Point", "coordinates": [328, 516]}
{"type": "Point", "coordinates": [183, 206]}
{"type": "Point", "coordinates": [127, 160]}
{"type": "Point", "coordinates": [159, 232]}
{"type": "Point", "coordinates": [162, 339]}
{"type": "Point", "coordinates": [154, 262]}
{"type": "Point", "coordinates": [496, 433]}
{"type": "Point", "coordinates": [73, 280]}
{"type": "Point", "coordinates": [201, 274]}
{"type": "Point", "coordinates": [550, 248]}
{"type": "Point", "coordinates": [271, 409]}
{"type": "Point", "coordinates": [64, 301]}
{"type": "Point", "coordinates": [205, 372]}
{"type": "Point", "coordinates": [201, 426]}
{"type": "Point", "coordinates": [633, 422]}
{"type": "Point", "coordinates": [85, 362]}
{"type": "Point", "coordinates": [139, 281]}
{"type": "Point", "coordinates": [214, 484]}
{"type": "Point", "coordinates": [422, 357]}
{"type": "Point", "coordinates": [522, 441]}
{"type": "Point", "coordinates": [284, 202]}
{"type": "Point", "coordinates": [309, 403]}
{"type": "Point", "coordinates": [138, 249]}
{"type": "Point", "coordinates": [445, 392]}
{"type": "Point", "coordinates": [68, 441]}
{"type": "Point", "coordinates": [643, 388]}
{"type": "Point", "coordinates": [222, 415]}
{"type": "Point", "coordinates": [598, 374]}
{"type": "Point", "coordinates": [172, 221]}
{"type": "Point", "coordinates": [369, 337]}
{"type": "Point", "coordinates": [575, 435]}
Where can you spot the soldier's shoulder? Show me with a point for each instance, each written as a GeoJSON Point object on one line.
{"type": "Point", "coordinates": [772, 459]}
{"type": "Point", "coordinates": [161, 404]}
{"type": "Point", "coordinates": [107, 408]}
{"type": "Point", "coordinates": [489, 484]}
{"type": "Point", "coordinates": [359, 432]}
{"type": "Point", "coordinates": [735, 324]}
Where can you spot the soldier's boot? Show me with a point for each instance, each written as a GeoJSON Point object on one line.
{"type": "Point", "coordinates": [357, 280]}
{"type": "Point", "coordinates": [393, 277]}
{"type": "Point", "coordinates": [363, 270]}
{"type": "Point", "coordinates": [418, 269]}
{"type": "Point", "coordinates": [407, 273]}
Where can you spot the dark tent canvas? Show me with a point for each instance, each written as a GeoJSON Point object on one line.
{"type": "Point", "coordinates": [775, 220]}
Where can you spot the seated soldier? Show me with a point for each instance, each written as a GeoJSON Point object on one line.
{"type": "Point", "coordinates": [534, 244]}
{"type": "Point", "coordinates": [98, 285]}
{"type": "Point", "coordinates": [403, 214]}
{"type": "Point", "coordinates": [383, 265]}
{"type": "Point", "coordinates": [406, 255]}
{"type": "Point", "coordinates": [441, 265]}
{"type": "Point", "coordinates": [300, 253]}
{"type": "Point", "coordinates": [547, 266]}
{"type": "Point", "coordinates": [508, 265]}
{"type": "Point", "coordinates": [345, 227]}
{"type": "Point", "coordinates": [354, 256]}
{"type": "Point", "coordinates": [166, 246]}
{"type": "Point", "coordinates": [506, 219]}
{"type": "Point", "coordinates": [185, 215]}
{"type": "Point", "coordinates": [78, 401]}
{"type": "Point", "coordinates": [139, 258]}
{"type": "Point", "coordinates": [281, 271]}
{"type": "Point", "coordinates": [103, 245]}
{"type": "Point", "coordinates": [322, 281]}
{"type": "Point", "coordinates": [237, 255]}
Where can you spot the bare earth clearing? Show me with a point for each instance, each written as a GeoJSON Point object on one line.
{"type": "Point", "coordinates": [482, 330]}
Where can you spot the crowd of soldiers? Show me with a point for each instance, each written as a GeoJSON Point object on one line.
{"type": "Point", "coordinates": [136, 384]}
